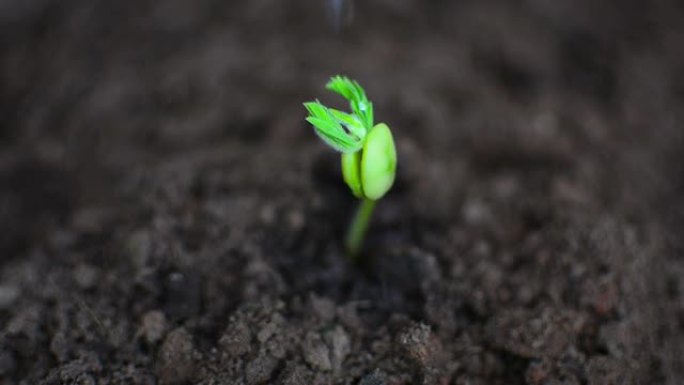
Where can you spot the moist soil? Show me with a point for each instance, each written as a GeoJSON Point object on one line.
{"type": "Point", "coordinates": [167, 216]}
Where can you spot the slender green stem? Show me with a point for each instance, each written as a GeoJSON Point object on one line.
{"type": "Point", "coordinates": [358, 227]}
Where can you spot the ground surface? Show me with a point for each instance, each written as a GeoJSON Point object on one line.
{"type": "Point", "coordinates": [167, 217]}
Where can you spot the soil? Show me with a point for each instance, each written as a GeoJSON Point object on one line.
{"type": "Point", "coordinates": [167, 217]}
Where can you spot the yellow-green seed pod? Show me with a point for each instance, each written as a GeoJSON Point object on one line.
{"type": "Point", "coordinates": [351, 172]}
{"type": "Point", "coordinates": [378, 162]}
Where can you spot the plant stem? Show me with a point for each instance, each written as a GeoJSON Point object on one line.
{"type": "Point", "coordinates": [358, 227]}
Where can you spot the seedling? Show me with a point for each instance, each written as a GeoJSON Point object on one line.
{"type": "Point", "coordinates": [369, 158]}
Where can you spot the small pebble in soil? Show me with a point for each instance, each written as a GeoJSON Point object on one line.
{"type": "Point", "coordinates": [175, 362]}
{"type": "Point", "coordinates": [259, 370]}
{"type": "Point", "coordinates": [415, 343]}
{"type": "Point", "coordinates": [316, 353]}
{"type": "Point", "coordinates": [235, 340]}
{"type": "Point", "coordinates": [153, 326]}
{"type": "Point", "coordinates": [340, 347]}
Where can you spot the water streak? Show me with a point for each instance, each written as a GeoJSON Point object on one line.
{"type": "Point", "coordinates": [339, 12]}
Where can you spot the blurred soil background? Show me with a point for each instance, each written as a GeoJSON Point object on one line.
{"type": "Point", "coordinates": [167, 217]}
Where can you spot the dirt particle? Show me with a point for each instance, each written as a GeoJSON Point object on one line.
{"type": "Point", "coordinates": [537, 372]}
{"type": "Point", "coordinates": [340, 347]}
{"type": "Point", "coordinates": [349, 316]}
{"type": "Point", "coordinates": [235, 340]}
{"type": "Point", "coordinates": [59, 346]}
{"type": "Point", "coordinates": [153, 326]}
{"type": "Point", "coordinates": [534, 334]}
{"type": "Point", "coordinates": [270, 328]}
{"type": "Point", "coordinates": [259, 370]}
{"type": "Point", "coordinates": [606, 299]}
{"type": "Point", "coordinates": [78, 371]}
{"type": "Point", "coordinates": [86, 276]}
{"type": "Point", "coordinates": [374, 378]}
{"type": "Point", "coordinates": [426, 265]}
{"type": "Point", "coordinates": [175, 362]}
{"type": "Point", "coordinates": [86, 379]}
{"type": "Point", "coordinates": [415, 343]}
{"type": "Point", "coordinates": [609, 371]}
{"type": "Point", "coordinates": [295, 375]}
{"type": "Point", "coordinates": [421, 348]}
{"type": "Point", "coordinates": [616, 337]}
{"type": "Point", "coordinates": [316, 353]}
{"type": "Point", "coordinates": [324, 308]}
{"type": "Point", "coordinates": [27, 322]}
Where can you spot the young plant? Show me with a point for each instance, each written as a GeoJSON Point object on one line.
{"type": "Point", "coordinates": [369, 158]}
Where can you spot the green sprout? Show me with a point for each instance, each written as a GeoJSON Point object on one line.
{"type": "Point", "coordinates": [369, 158]}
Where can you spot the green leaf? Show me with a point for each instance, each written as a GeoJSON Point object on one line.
{"type": "Point", "coordinates": [343, 131]}
{"type": "Point", "coordinates": [343, 86]}
{"type": "Point", "coordinates": [354, 93]}
{"type": "Point", "coordinates": [351, 122]}
{"type": "Point", "coordinates": [329, 129]}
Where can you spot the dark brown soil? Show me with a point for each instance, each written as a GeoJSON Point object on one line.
{"type": "Point", "coordinates": [167, 217]}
